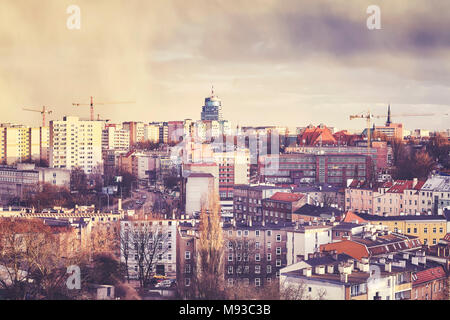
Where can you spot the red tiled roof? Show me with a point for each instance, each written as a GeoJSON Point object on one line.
{"type": "Point", "coordinates": [428, 275]}
{"type": "Point", "coordinates": [352, 248]}
{"type": "Point", "coordinates": [288, 197]}
{"type": "Point", "coordinates": [399, 186]}
{"type": "Point", "coordinates": [316, 135]}
{"type": "Point", "coordinates": [447, 237]}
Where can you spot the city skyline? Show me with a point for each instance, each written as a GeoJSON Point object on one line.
{"type": "Point", "coordinates": [317, 62]}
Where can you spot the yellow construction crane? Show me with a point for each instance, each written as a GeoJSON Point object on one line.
{"type": "Point", "coordinates": [98, 103]}
{"type": "Point", "coordinates": [369, 116]}
{"type": "Point", "coordinates": [366, 116]}
{"type": "Point", "coordinates": [43, 112]}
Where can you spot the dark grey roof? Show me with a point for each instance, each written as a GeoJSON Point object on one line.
{"type": "Point", "coordinates": [315, 211]}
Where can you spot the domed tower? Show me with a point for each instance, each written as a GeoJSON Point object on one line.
{"type": "Point", "coordinates": [212, 110]}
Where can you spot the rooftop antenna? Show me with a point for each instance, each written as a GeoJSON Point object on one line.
{"type": "Point", "coordinates": [212, 90]}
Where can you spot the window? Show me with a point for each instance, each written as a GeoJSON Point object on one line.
{"type": "Point", "coordinates": [187, 268]}
{"type": "Point", "coordinates": [187, 282]}
{"type": "Point", "coordinates": [257, 245]}
{"type": "Point", "coordinates": [230, 269]}
{"type": "Point", "coordinates": [278, 251]}
{"type": "Point", "coordinates": [425, 230]}
{"type": "Point", "coordinates": [257, 233]}
{"type": "Point", "coordinates": [257, 282]}
{"type": "Point", "coordinates": [187, 255]}
{"type": "Point", "coordinates": [257, 269]}
{"type": "Point", "coordinates": [230, 257]}
{"type": "Point", "coordinates": [269, 233]}
{"type": "Point", "coordinates": [269, 257]}
{"type": "Point", "coordinates": [278, 262]}
{"type": "Point", "coordinates": [269, 269]}
{"type": "Point", "coordinates": [278, 237]}
{"type": "Point", "coordinates": [257, 257]}
{"type": "Point", "coordinates": [230, 282]}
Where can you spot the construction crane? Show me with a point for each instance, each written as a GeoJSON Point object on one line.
{"type": "Point", "coordinates": [98, 103]}
{"type": "Point", "coordinates": [43, 112]}
{"type": "Point", "coordinates": [98, 118]}
{"type": "Point", "coordinates": [369, 116]}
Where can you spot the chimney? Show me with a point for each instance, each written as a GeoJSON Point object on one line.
{"type": "Point", "coordinates": [388, 267]}
{"type": "Point", "coordinates": [307, 272]}
{"type": "Point", "coordinates": [415, 180]}
{"type": "Point", "coordinates": [422, 259]}
{"type": "Point", "coordinates": [320, 270]}
{"type": "Point", "coordinates": [250, 222]}
{"type": "Point", "coordinates": [119, 204]}
{"type": "Point", "coordinates": [330, 268]}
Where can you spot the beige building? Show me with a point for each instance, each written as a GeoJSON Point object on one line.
{"type": "Point", "coordinates": [76, 143]}
{"type": "Point", "coordinates": [115, 137]}
{"type": "Point", "coordinates": [20, 143]}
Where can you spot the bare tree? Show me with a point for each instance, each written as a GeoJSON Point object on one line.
{"type": "Point", "coordinates": [298, 291]}
{"type": "Point", "coordinates": [147, 243]}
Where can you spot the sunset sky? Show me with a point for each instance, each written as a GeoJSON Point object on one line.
{"type": "Point", "coordinates": [284, 62]}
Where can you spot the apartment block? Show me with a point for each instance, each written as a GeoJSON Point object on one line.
{"type": "Point", "coordinates": [314, 169]}
{"type": "Point", "coordinates": [76, 143]}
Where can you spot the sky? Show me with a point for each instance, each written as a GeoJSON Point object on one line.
{"type": "Point", "coordinates": [287, 63]}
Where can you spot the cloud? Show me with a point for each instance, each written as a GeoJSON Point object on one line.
{"type": "Point", "coordinates": [289, 62]}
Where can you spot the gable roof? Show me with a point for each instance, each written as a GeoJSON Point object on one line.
{"type": "Point", "coordinates": [286, 197]}
{"type": "Point", "coordinates": [428, 275]}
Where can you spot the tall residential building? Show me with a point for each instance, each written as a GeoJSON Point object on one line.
{"type": "Point", "coordinates": [234, 169]}
{"type": "Point", "coordinates": [76, 143]}
{"type": "Point", "coordinates": [212, 110]}
{"type": "Point", "coordinates": [136, 129]}
{"type": "Point", "coordinates": [151, 132]}
{"type": "Point", "coordinates": [20, 143]}
{"type": "Point", "coordinates": [115, 137]}
{"type": "Point", "coordinates": [175, 131]}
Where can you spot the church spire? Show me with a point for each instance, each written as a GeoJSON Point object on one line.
{"type": "Point", "coordinates": [388, 122]}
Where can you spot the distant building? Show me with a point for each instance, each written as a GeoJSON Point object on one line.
{"type": "Point", "coordinates": [20, 143]}
{"type": "Point", "coordinates": [248, 200]}
{"type": "Point", "coordinates": [24, 180]}
{"type": "Point", "coordinates": [115, 137]}
{"type": "Point", "coordinates": [76, 143]}
{"type": "Point", "coordinates": [136, 130]}
{"type": "Point", "coordinates": [333, 169]}
{"type": "Point", "coordinates": [212, 110]}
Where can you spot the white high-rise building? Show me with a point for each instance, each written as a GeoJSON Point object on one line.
{"type": "Point", "coordinates": [151, 133]}
{"type": "Point", "coordinates": [115, 137]}
{"type": "Point", "coordinates": [76, 143]}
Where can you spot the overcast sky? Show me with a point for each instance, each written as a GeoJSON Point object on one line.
{"type": "Point", "coordinates": [283, 62]}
